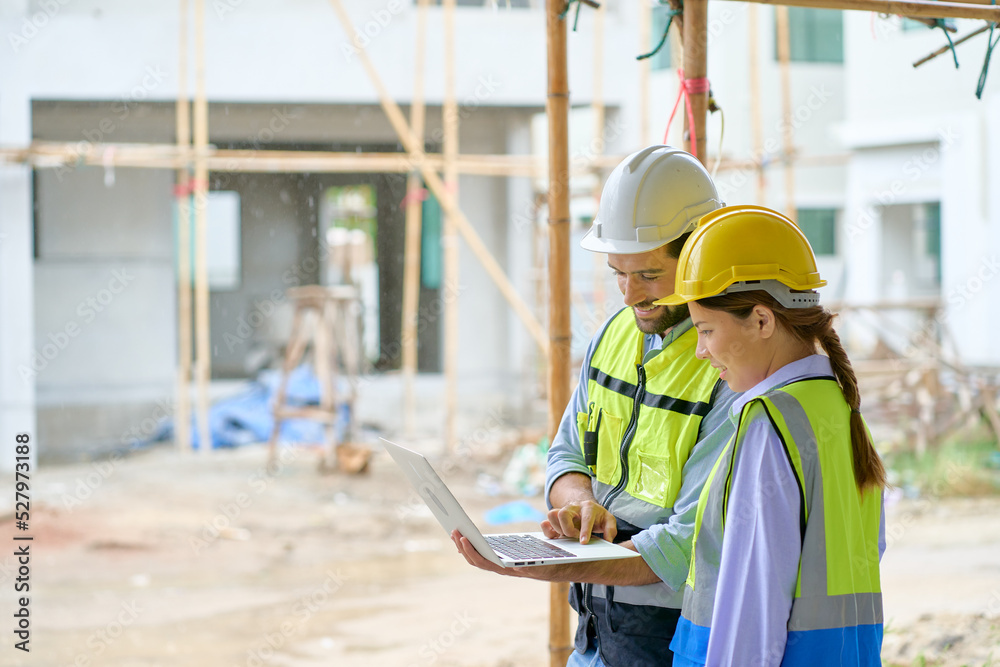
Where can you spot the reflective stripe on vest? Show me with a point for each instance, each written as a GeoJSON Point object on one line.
{"type": "Point", "coordinates": [646, 416]}
{"type": "Point", "coordinates": [651, 419]}
{"type": "Point", "coordinates": [838, 584]}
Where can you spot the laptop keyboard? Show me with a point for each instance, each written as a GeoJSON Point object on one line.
{"type": "Point", "coordinates": [521, 547]}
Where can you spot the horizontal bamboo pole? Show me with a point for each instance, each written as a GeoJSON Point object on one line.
{"type": "Point", "coordinates": [42, 154]}
{"type": "Point", "coordinates": [973, 9]}
{"type": "Point", "coordinates": [45, 154]}
{"type": "Point", "coordinates": [948, 47]}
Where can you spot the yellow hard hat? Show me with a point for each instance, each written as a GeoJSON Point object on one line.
{"type": "Point", "coordinates": [746, 248]}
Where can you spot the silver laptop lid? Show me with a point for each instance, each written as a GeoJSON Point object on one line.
{"type": "Point", "coordinates": [438, 497]}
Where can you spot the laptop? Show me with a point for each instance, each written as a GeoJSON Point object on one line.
{"type": "Point", "coordinates": [507, 549]}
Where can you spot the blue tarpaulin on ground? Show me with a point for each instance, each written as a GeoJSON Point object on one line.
{"type": "Point", "coordinates": [248, 416]}
{"type": "Point", "coordinates": [513, 512]}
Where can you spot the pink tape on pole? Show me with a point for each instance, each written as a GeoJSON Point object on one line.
{"type": "Point", "coordinates": [688, 88]}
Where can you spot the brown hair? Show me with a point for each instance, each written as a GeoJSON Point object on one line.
{"type": "Point", "coordinates": [811, 326]}
{"type": "Point", "coordinates": [674, 247]}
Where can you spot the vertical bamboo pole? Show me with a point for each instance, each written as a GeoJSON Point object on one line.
{"type": "Point", "coordinates": [756, 121]}
{"type": "Point", "coordinates": [182, 416]}
{"type": "Point", "coordinates": [788, 138]}
{"type": "Point", "coordinates": [203, 366]}
{"type": "Point", "coordinates": [450, 237]}
{"type": "Point", "coordinates": [597, 105]}
{"type": "Point", "coordinates": [645, 18]}
{"type": "Point", "coordinates": [676, 45]}
{"type": "Point", "coordinates": [411, 262]}
{"type": "Point", "coordinates": [696, 67]}
{"type": "Point", "coordinates": [444, 196]}
{"type": "Point", "coordinates": [557, 107]}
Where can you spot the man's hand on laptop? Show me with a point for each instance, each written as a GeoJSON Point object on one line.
{"type": "Point", "coordinates": [580, 521]}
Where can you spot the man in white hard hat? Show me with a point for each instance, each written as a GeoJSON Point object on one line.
{"type": "Point", "coordinates": [644, 427]}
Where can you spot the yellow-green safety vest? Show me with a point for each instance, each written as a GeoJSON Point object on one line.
{"type": "Point", "coordinates": [646, 418]}
{"type": "Point", "coordinates": [836, 615]}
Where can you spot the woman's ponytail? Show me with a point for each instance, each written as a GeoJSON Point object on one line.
{"type": "Point", "coordinates": [811, 326]}
{"type": "Point", "coordinates": [868, 469]}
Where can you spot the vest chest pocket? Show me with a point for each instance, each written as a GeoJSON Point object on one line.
{"type": "Point", "coordinates": [609, 437]}
{"type": "Point", "coordinates": [652, 478]}
{"type": "Point", "coordinates": [657, 457]}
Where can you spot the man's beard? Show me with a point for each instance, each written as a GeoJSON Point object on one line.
{"type": "Point", "coordinates": [670, 317]}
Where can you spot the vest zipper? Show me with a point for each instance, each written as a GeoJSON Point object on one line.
{"type": "Point", "coordinates": [633, 426]}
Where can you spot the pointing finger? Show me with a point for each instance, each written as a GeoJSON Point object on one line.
{"type": "Point", "coordinates": [586, 523]}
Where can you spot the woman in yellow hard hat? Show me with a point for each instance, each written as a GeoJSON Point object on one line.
{"type": "Point", "coordinates": [789, 528]}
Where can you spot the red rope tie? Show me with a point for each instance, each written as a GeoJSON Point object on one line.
{"type": "Point", "coordinates": [422, 194]}
{"type": "Point", "coordinates": [181, 190]}
{"type": "Point", "coordinates": [419, 194]}
{"type": "Point", "coordinates": [688, 88]}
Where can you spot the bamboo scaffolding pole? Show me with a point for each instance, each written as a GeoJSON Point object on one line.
{"type": "Point", "coordinates": [598, 110]}
{"type": "Point", "coordinates": [948, 47]}
{"type": "Point", "coordinates": [696, 67]}
{"type": "Point", "coordinates": [182, 428]}
{"type": "Point", "coordinates": [411, 257]}
{"type": "Point", "coordinates": [557, 109]}
{"type": "Point", "coordinates": [203, 350]}
{"type": "Point", "coordinates": [973, 9]}
{"type": "Point", "coordinates": [788, 132]}
{"type": "Point", "coordinates": [756, 116]}
{"type": "Point", "coordinates": [55, 155]}
{"type": "Point", "coordinates": [645, 19]}
{"type": "Point", "coordinates": [445, 198]}
{"type": "Point", "coordinates": [42, 155]}
{"type": "Point", "coordinates": [449, 238]}
{"type": "Point", "coordinates": [676, 46]}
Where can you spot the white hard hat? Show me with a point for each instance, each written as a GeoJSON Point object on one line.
{"type": "Point", "coordinates": [651, 198]}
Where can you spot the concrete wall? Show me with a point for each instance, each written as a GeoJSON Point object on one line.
{"type": "Point", "coordinates": [124, 352]}
{"type": "Point", "coordinates": [277, 76]}
{"type": "Point", "coordinates": [105, 294]}
{"type": "Point", "coordinates": [259, 51]}
{"type": "Point", "coordinates": [288, 75]}
{"type": "Point", "coordinates": [17, 298]}
{"type": "Point", "coordinates": [920, 135]}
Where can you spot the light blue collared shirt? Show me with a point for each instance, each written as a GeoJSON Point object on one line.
{"type": "Point", "coordinates": [666, 547]}
{"type": "Point", "coordinates": [762, 544]}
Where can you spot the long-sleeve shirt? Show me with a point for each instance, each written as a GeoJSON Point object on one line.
{"type": "Point", "coordinates": [762, 543]}
{"type": "Point", "coordinates": [665, 546]}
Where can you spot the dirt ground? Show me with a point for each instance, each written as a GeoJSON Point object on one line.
{"type": "Point", "coordinates": [163, 559]}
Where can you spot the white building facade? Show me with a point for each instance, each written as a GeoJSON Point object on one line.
{"type": "Point", "coordinates": [885, 158]}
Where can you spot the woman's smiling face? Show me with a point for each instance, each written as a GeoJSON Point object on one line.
{"type": "Point", "coordinates": [732, 345]}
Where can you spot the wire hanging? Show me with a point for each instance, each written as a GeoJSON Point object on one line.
{"type": "Point", "coordinates": [990, 45]}
{"type": "Point", "coordinates": [671, 13]}
{"type": "Point", "coordinates": [579, 3]}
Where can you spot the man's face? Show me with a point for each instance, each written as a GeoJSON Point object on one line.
{"type": "Point", "coordinates": [644, 278]}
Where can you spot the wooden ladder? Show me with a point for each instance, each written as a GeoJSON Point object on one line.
{"type": "Point", "coordinates": [329, 318]}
